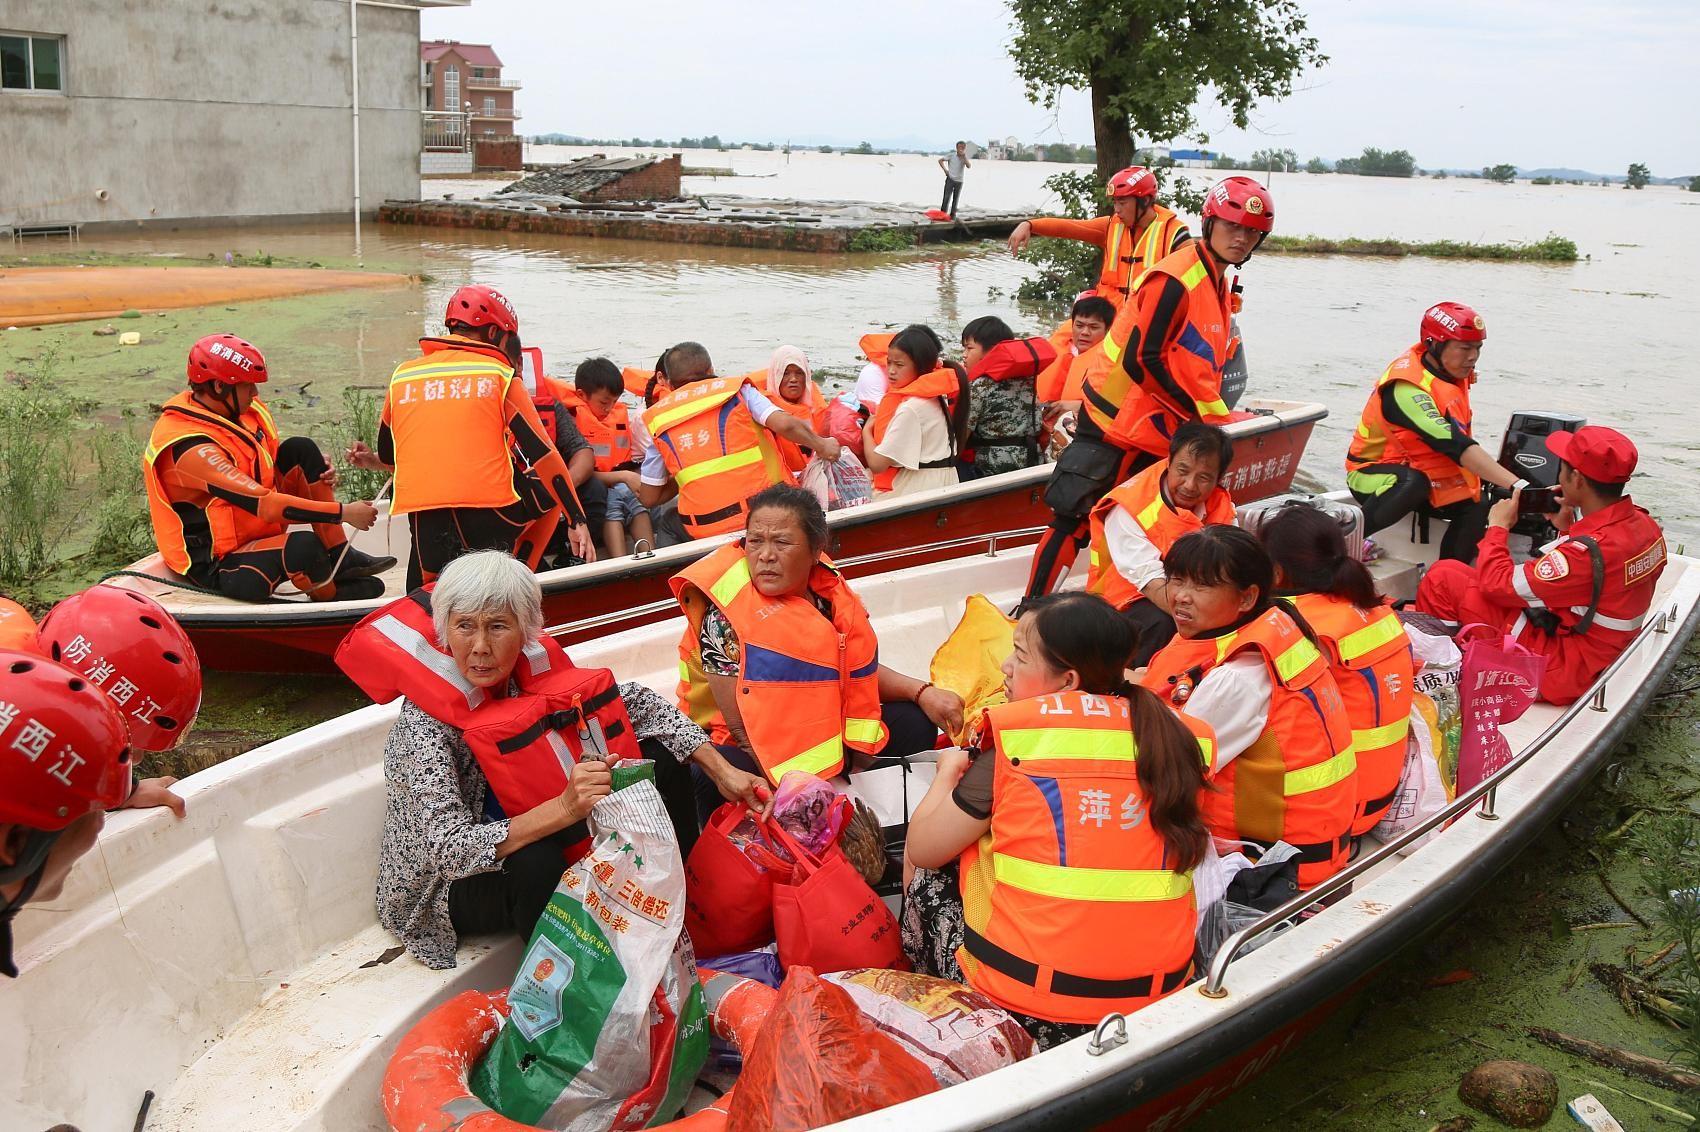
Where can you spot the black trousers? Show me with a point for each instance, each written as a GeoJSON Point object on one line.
{"type": "Point", "coordinates": [1152, 629]}
{"type": "Point", "coordinates": [511, 899]}
{"type": "Point", "coordinates": [252, 572]}
{"type": "Point", "coordinates": [952, 194]}
{"type": "Point", "coordinates": [1409, 494]}
{"type": "Point", "coordinates": [443, 534]}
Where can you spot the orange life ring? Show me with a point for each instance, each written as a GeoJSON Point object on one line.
{"type": "Point", "coordinates": [425, 1084]}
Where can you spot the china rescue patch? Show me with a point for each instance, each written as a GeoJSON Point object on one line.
{"type": "Point", "coordinates": [1644, 563]}
{"type": "Point", "coordinates": [1552, 566]}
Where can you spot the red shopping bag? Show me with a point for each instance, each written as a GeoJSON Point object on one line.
{"type": "Point", "coordinates": [729, 888]}
{"type": "Point", "coordinates": [1497, 682]}
{"type": "Point", "coordinates": [826, 917]}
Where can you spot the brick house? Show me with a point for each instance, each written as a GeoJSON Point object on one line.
{"type": "Point", "coordinates": [468, 76]}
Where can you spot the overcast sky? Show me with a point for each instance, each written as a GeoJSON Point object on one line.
{"type": "Point", "coordinates": [1578, 83]}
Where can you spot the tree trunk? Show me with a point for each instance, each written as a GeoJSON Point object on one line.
{"type": "Point", "coordinates": [1111, 133]}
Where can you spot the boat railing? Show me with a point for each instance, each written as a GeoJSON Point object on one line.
{"type": "Point", "coordinates": [992, 542]}
{"type": "Point", "coordinates": [1485, 791]}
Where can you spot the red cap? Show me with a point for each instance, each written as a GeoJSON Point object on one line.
{"type": "Point", "coordinates": [1600, 453]}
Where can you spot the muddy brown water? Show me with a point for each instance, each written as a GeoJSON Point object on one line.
{"type": "Point", "coordinates": [1606, 337]}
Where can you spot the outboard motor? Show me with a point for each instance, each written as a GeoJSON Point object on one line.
{"type": "Point", "coordinates": [1524, 449]}
{"type": "Point", "coordinates": [1234, 373]}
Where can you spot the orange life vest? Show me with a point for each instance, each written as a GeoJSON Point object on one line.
{"type": "Point", "coordinates": [609, 437]}
{"type": "Point", "coordinates": [1297, 782]}
{"type": "Point", "coordinates": [526, 743]}
{"type": "Point", "coordinates": [943, 386]}
{"type": "Point", "coordinates": [1126, 259]}
{"type": "Point", "coordinates": [1142, 497]}
{"type": "Point", "coordinates": [1380, 441]}
{"type": "Point", "coordinates": [251, 447]}
{"type": "Point", "coordinates": [447, 411]}
{"type": "Point", "coordinates": [808, 686]}
{"type": "Point", "coordinates": [1135, 417]}
{"type": "Point", "coordinates": [637, 380]}
{"type": "Point", "coordinates": [1071, 906]}
{"type": "Point", "coordinates": [1370, 656]}
{"type": "Point", "coordinates": [812, 409]}
{"type": "Point", "coordinates": [715, 451]}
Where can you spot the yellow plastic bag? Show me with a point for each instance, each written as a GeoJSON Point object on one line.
{"type": "Point", "coordinates": [970, 662]}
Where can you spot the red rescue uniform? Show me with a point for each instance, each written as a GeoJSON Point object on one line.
{"type": "Point", "coordinates": [808, 684]}
{"type": "Point", "coordinates": [1147, 500]}
{"type": "Point", "coordinates": [1370, 657]}
{"type": "Point", "coordinates": [1562, 584]}
{"type": "Point", "coordinates": [1070, 865]}
{"type": "Point", "coordinates": [1297, 782]}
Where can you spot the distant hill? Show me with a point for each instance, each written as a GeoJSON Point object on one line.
{"type": "Point", "coordinates": [1567, 174]}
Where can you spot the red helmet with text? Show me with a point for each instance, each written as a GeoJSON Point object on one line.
{"type": "Point", "coordinates": [126, 645]}
{"type": "Point", "coordinates": [482, 306]}
{"type": "Point", "coordinates": [226, 360]}
{"type": "Point", "coordinates": [1240, 200]}
{"type": "Point", "coordinates": [1452, 322]}
{"type": "Point", "coordinates": [1134, 181]}
{"type": "Point", "coordinates": [67, 751]}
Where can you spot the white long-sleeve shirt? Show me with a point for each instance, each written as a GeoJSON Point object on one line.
{"type": "Point", "coordinates": [1233, 698]}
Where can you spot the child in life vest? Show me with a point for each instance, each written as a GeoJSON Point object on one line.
{"type": "Point", "coordinates": [915, 434]}
{"type": "Point", "coordinates": [1078, 773]}
{"type": "Point", "coordinates": [610, 497]}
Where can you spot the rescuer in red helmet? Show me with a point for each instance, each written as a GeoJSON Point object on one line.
{"type": "Point", "coordinates": [1137, 233]}
{"type": "Point", "coordinates": [1412, 450]}
{"type": "Point", "coordinates": [475, 468]}
{"type": "Point", "coordinates": [1165, 355]}
{"type": "Point", "coordinates": [223, 489]}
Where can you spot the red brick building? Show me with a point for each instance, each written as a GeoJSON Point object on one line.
{"type": "Point", "coordinates": [468, 77]}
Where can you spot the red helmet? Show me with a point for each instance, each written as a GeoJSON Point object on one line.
{"type": "Point", "coordinates": [17, 627]}
{"type": "Point", "coordinates": [63, 748]}
{"type": "Point", "coordinates": [1134, 181]}
{"type": "Point", "coordinates": [1240, 200]}
{"type": "Point", "coordinates": [125, 643]}
{"type": "Point", "coordinates": [226, 359]}
{"type": "Point", "coordinates": [482, 306]}
{"type": "Point", "coordinates": [1452, 322]}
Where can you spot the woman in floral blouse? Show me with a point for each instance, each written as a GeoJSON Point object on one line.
{"type": "Point", "coordinates": [449, 864]}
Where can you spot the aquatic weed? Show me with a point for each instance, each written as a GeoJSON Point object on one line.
{"type": "Point", "coordinates": [361, 408]}
{"type": "Point", "coordinates": [1669, 848]}
{"type": "Point", "coordinates": [123, 531]}
{"type": "Point", "coordinates": [35, 472]}
{"type": "Point", "coordinates": [881, 240]}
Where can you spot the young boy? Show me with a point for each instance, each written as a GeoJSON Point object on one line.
{"type": "Point", "coordinates": [617, 440]}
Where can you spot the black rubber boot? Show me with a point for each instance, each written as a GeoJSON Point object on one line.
{"type": "Point", "coordinates": [359, 564]}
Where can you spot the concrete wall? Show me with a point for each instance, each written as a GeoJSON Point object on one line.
{"type": "Point", "coordinates": [209, 109]}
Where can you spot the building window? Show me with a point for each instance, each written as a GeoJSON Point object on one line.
{"type": "Point", "coordinates": [489, 107]}
{"type": "Point", "coordinates": [31, 62]}
{"type": "Point", "coordinates": [451, 89]}
{"type": "Point", "coordinates": [478, 72]}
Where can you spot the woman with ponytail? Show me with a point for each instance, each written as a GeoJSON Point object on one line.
{"type": "Point", "coordinates": [1075, 822]}
{"type": "Point", "coordinates": [1248, 665]}
{"type": "Point", "coordinates": [1366, 646]}
{"type": "Point", "coordinates": [914, 437]}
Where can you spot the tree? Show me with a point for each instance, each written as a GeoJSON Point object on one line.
{"type": "Point", "coordinates": [864, 148]}
{"type": "Point", "coordinates": [1281, 159]}
{"type": "Point", "coordinates": [1223, 161]}
{"type": "Point", "coordinates": [826, 149]}
{"type": "Point", "coordinates": [1317, 165]}
{"type": "Point", "coordinates": [1146, 62]}
{"type": "Point", "coordinates": [1694, 184]}
{"type": "Point", "coordinates": [1500, 174]}
{"type": "Point", "coordinates": [1639, 177]}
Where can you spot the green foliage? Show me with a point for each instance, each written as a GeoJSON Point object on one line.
{"type": "Point", "coordinates": [864, 148]}
{"type": "Point", "coordinates": [1551, 249]}
{"type": "Point", "coordinates": [824, 149]}
{"type": "Point", "coordinates": [122, 530]}
{"type": "Point", "coordinates": [1226, 162]}
{"type": "Point", "coordinates": [35, 472]}
{"type": "Point", "coordinates": [881, 240]}
{"type": "Point", "coordinates": [1277, 159]}
{"type": "Point", "coordinates": [1379, 163]}
{"type": "Point", "coordinates": [1502, 174]}
{"type": "Point", "coordinates": [1639, 177]}
{"type": "Point", "coordinates": [1542, 181]}
{"type": "Point", "coordinates": [1317, 165]}
{"type": "Point", "coordinates": [1694, 184]}
{"type": "Point", "coordinates": [361, 408]}
{"type": "Point", "coordinates": [1146, 62]}
{"type": "Point", "coordinates": [1669, 848]}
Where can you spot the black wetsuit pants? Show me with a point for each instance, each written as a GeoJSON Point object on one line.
{"type": "Point", "coordinates": [1408, 493]}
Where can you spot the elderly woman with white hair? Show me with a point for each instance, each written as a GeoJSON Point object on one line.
{"type": "Point", "coordinates": [449, 864]}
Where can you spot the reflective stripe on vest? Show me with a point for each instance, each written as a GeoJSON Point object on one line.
{"type": "Point", "coordinates": [717, 465]}
{"type": "Point", "coordinates": [1322, 775]}
{"type": "Point", "coordinates": [1362, 642]}
{"type": "Point", "coordinates": [1066, 883]}
{"type": "Point", "coordinates": [1374, 738]}
{"type": "Point", "coordinates": [1294, 659]}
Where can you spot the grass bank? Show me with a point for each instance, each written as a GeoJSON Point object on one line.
{"type": "Point", "coordinates": [22, 256]}
{"type": "Point", "coordinates": [1551, 249]}
{"type": "Point", "coordinates": [1546, 945]}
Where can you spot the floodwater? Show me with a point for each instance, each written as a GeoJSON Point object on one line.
{"type": "Point", "coordinates": [1605, 337]}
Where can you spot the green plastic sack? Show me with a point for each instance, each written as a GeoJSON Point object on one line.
{"type": "Point", "coordinates": [607, 1028]}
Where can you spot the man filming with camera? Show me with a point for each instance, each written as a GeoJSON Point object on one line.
{"type": "Point", "coordinates": [1584, 599]}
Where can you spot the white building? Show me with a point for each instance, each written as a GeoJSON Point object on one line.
{"type": "Point", "coordinates": [127, 113]}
